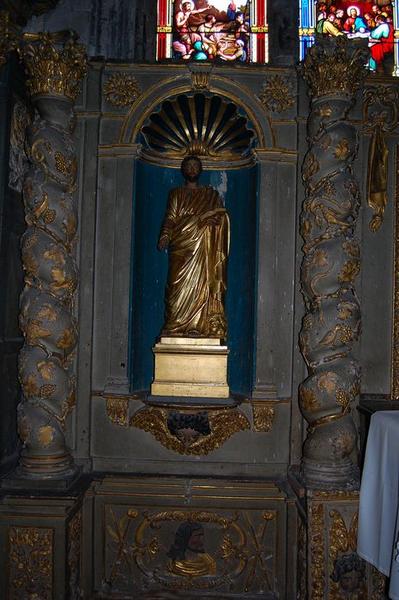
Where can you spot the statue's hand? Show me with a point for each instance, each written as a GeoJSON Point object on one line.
{"type": "Point", "coordinates": [163, 242]}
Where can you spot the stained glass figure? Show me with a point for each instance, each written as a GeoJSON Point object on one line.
{"type": "Point", "coordinates": [208, 30]}
{"type": "Point", "coordinates": [376, 22]}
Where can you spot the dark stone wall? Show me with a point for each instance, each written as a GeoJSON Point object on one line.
{"type": "Point", "coordinates": [11, 228]}
{"type": "Point", "coordinates": [113, 29]}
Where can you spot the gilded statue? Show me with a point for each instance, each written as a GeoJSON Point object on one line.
{"type": "Point", "coordinates": [196, 232]}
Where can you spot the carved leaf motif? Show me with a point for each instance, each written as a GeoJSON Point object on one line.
{"type": "Point", "coordinates": [121, 89]}
{"type": "Point", "coordinates": [342, 150]}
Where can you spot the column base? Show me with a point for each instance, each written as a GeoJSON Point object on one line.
{"type": "Point", "coordinates": [318, 475]}
{"type": "Point", "coordinates": [22, 478]}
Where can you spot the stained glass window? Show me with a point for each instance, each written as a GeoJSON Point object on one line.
{"type": "Point", "coordinates": [207, 30]}
{"type": "Point", "coordinates": [378, 22]}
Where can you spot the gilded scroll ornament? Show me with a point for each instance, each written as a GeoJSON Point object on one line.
{"type": "Point", "coordinates": [380, 114]}
{"type": "Point", "coordinates": [182, 550]}
{"type": "Point", "coordinates": [30, 563]}
{"type": "Point", "coordinates": [331, 264]}
{"type": "Point", "coordinates": [277, 94]}
{"type": "Point", "coordinates": [55, 65]}
{"type": "Point", "coordinates": [263, 417]}
{"type": "Point", "coordinates": [222, 424]}
{"type": "Point", "coordinates": [121, 89]}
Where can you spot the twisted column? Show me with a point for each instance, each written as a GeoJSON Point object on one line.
{"type": "Point", "coordinates": [55, 64]}
{"type": "Point", "coordinates": [334, 70]}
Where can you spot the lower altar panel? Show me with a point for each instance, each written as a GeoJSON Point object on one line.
{"type": "Point", "coordinates": [164, 537]}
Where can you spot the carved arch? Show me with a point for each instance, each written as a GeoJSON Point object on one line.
{"type": "Point", "coordinates": [170, 88]}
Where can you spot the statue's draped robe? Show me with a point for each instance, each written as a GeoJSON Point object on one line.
{"type": "Point", "coordinates": [197, 228]}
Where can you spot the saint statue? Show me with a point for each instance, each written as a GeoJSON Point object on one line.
{"type": "Point", "coordinates": [196, 232]}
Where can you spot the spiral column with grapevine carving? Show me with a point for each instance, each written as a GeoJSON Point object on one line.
{"type": "Point", "coordinates": [55, 64]}
{"type": "Point", "coordinates": [334, 71]}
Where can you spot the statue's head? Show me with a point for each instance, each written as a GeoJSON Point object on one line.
{"type": "Point", "coordinates": [191, 168]}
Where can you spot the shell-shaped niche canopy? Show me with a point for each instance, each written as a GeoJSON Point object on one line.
{"type": "Point", "coordinates": [208, 126]}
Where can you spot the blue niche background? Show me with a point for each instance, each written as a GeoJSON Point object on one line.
{"type": "Point", "coordinates": [149, 269]}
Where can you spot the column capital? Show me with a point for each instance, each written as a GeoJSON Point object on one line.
{"type": "Point", "coordinates": [335, 66]}
{"type": "Point", "coordinates": [55, 63]}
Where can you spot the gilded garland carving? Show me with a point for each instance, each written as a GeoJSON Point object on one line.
{"type": "Point", "coordinates": [30, 563]}
{"type": "Point", "coordinates": [239, 550]}
{"type": "Point", "coordinates": [263, 417]}
{"type": "Point", "coordinates": [223, 424]}
{"type": "Point", "coordinates": [121, 89]}
{"type": "Point", "coordinates": [46, 367]}
{"type": "Point", "coordinates": [331, 263]}
{"type": "Point", "coordinates": [316, 535]}
{"type": "Point", "coordinates": [380, 108]}
{"type": "Point", "coordinates": [277, 94]}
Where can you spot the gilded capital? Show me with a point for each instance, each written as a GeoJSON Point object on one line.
{"type": "Point", "coordinates": [335, 66]}
{"type": "Point", "coordinates": [55, 64]}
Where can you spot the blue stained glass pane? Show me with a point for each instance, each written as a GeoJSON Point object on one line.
{"type": "Point", "coordinates": [305, 13]}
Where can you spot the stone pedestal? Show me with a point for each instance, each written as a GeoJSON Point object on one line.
{"type": "Point", "coordinates": [43, 536]}
{"type": "Point", "coordinates": [194, 367]}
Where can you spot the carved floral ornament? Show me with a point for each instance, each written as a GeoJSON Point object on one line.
{"type": "Point", "coordinates": [277, 94]}
{"type": "Point", "coordinates": [121, 89]}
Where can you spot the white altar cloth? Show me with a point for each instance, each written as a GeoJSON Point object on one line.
{"type": "Point", "coordinates": [379, 498]}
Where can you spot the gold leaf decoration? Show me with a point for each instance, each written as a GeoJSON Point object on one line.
{"type": "Point", "coordinates": [276, 94]}
{"type": "Point", "coordinates": [55, 64]}
{"type": "Point", "coordinates": [263, 417]}
{"type": "Point", "coordinates": [121, 89]}
{"type": "Point", "coordinates": [308, 399]}
{"type": "Point", "coordinates": [118, 410]}
{"type": "Point", "coordinates": [223, 424]}
{"type": "Point", "coordinates": [30, 562]}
